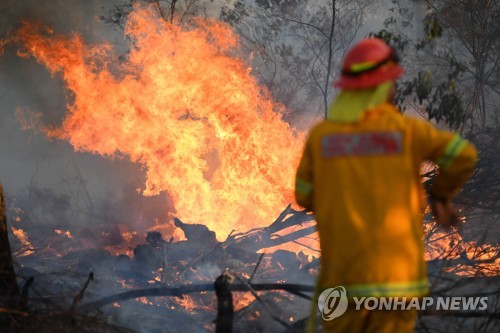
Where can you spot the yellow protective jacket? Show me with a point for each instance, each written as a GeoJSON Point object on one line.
{"type": "Point", "coordinates": [362, 181]}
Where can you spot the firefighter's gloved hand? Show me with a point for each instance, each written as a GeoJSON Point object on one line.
{"type": "Point", "coordinates": [444, 213]}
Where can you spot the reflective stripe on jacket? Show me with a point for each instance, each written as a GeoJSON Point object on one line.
{"type": "Point", "coordinates": [362, 181]}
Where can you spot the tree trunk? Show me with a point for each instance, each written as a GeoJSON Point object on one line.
{"type": "Point", "coordinates": [9, 290]}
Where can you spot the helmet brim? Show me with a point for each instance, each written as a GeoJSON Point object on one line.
{"type": "Point", "coordinates": [370, 79]}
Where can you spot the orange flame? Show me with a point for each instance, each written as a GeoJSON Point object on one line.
{"type": "Point", "coordinates": [185, 107]}
{"type": "Point", "coordinates": [24, 240]}
{"type": "Point", "coordinates": [66, 233]}
{"type": "Point", "coordinates": [475, 259]}
{"type": "Point", "coordinates": [187, 303]}
{"type": "Point", "coordinates": [242, 300]}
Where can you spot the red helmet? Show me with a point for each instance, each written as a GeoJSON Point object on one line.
{"type": "Point", "coordinates": [367, 64]}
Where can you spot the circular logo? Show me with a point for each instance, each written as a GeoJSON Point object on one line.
{"type": "Point", "coordinates": [332, 302]}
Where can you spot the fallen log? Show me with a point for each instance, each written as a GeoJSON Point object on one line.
{"type": "Point", "coordinates": [179, 291]}
{"type": "Point", "coordinates": [260, 238]}
{"type": "Point", "coordinates": [296, 289]}
{"type": "Point", "coordinates": [196, 233]}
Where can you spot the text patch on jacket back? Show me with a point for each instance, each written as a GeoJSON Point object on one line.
{"type": "Point", "coordinates": [362, 144]}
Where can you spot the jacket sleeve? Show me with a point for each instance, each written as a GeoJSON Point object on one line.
{"type": "Point", "coordinates": [304, 180]}
{"type": "Point", "coordinates": [455, 157]}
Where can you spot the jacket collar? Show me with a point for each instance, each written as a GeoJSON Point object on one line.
{"type": "Point", "coordinates": [350, 105]}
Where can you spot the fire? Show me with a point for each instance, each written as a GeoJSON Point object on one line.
{"type": "Point", "coordinates": [185, 107]}
{"type": "Point", "coordinates": [66, 233]}
{"type": "Point", "coordinates": [144, 300]}
{"type": "Point", "coordinates": [242, 300]}
{"type": "Point", "coordinates": [22, 236]}
{"type": "Point", "coordinates": [187, 303]}
{"type": "Point", "coordinates": [477, 260]}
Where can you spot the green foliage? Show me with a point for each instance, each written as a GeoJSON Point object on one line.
{"type": "Point", "coordinates": [432, 27]}
{"type": "Point", "coordinates": [234, 15]}
{"type": "Point", "coordinates": [284, 6]}
{"type": "Point", "coordinates": [441, 101]}
{"type": "Point", "coordinates": [433, 88]}
{"type": "Point", "coordinates": [396, 41]}
{"type": "Point", "coordinates": [454, 63]}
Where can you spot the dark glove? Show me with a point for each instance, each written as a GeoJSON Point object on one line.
{"type": "Point", "coordinates": [443, 212]}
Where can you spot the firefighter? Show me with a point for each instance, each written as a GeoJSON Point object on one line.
{"type": "Point", "coordinates": [360, 175]}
